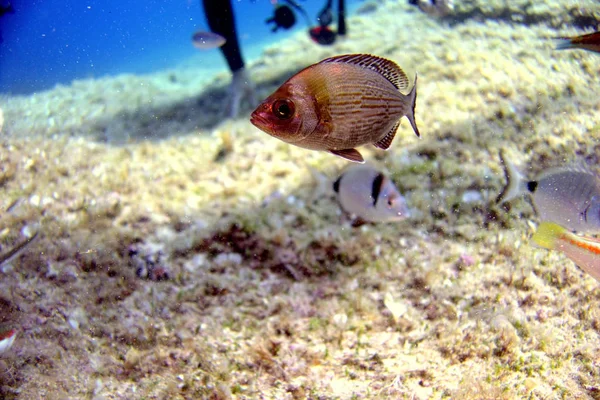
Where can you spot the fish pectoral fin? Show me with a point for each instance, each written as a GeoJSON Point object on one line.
{"type": "Point", "coordinates": [349, 154]}
{"type": "Point", "coordinates": [386, 142]}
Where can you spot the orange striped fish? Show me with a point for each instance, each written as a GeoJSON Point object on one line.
{"type": "Point", "coordinates": [583, 251]}
{"type": "Point", "coordinates": [339, 104]}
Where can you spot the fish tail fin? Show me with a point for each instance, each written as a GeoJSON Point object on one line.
{"type": "Point", "coordinates": [516, 184]}
{"type": "Point", "coordinates": [412, 98]}
{"type": "Point", "coordinates": [563, 43]}
{"type": "Point", "coordinates": [547, 234]}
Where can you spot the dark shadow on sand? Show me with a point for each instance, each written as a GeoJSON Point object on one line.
{"type": "Point", "coordinates": [190, 115]}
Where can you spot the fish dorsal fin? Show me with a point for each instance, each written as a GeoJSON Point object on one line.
{"type": "Point", "coordinates": [349, 154]}
{"type": "Point", "coordinates": [386, 68]}
{"type": "Point", "coordinates": [386, 142]}
{"type": "Point", "coordinates": [579, 167]}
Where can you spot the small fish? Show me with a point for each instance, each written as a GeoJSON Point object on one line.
{"type": "Point", "coordinates": [370, 195]}
{"type": "Point", "coordinates": [204, 40]}
{"type": "Point", "coordinates": [583, 251]}
{"type": "Point", "coordinates": [338, 104]}
{"type": "Point", "coordinates": [568, 196]}
{"type": "Point", "coordinates": [7, 339]}
{"type": "Point", "coordinates": [17, 249]}
{"type": "Point", "coordinates": [434, 8]}
{"type": "Point", "coordinates": [590, 42]}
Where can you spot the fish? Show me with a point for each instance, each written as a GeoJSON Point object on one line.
{"type": "Point", "coordinates": [369, 195]}
{"type": "Point", "coordinates": [204, 40]}
{"type": "Point", "coordinates": [568, 196]}
{"type": "Point", "coordinates": [583, 251]}
{"type": "Point", "coordinates": [434, 8]}
{"type": "Point", "coordinates": [590, 42]}
{"type": "Point", "coordinates": [339, 104]}
{"type": "Point", "coordinates": [17, 249]}
{"type": "Point", "coordinates": [7, 338]}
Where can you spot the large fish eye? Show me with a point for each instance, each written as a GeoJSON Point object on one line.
{"type": "Point", "coordinates": [283, 109]}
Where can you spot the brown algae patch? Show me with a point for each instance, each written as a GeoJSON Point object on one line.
{"type": "Point", "coordinates": [218, 265]}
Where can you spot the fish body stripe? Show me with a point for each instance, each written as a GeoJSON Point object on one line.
{"type": "Point", "coordinates": [582, 244]}
{"type": "Point", "coordinates": [376, 188]}
{"type": "Point", "coordinates": [336, 184]}
{"type": "Point", "coordinates": [362, 110]}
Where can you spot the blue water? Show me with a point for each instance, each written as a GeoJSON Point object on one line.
{"type": "Point", "coordinates": [47, 42]}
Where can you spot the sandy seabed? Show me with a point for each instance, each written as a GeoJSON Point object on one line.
{"type": "Point", "coordinates": [184, 256]}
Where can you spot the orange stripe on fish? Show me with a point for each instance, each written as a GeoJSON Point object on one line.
{"type": "Point", "coordinates": [582, 243]}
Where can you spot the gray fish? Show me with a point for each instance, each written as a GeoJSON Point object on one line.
{"type": "Point", "coordinates": [204, 40]}
{"type": "Point", "coordinates": [568, 196]}
{"type": "Point", "coordinates": [370, 195]}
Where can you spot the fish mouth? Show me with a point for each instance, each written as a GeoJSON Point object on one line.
{"type": "Point", "coordinates": [258, 121]}
{"type": "Point", "coordinates": [402, 214]}
{"type": "Point", "coordinates": [405, 214]}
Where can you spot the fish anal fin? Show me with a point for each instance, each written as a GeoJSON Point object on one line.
{"type": "Point", "coordinates": [386, 142]}
{"type": "Point", "coordinates": [547, 234]}
{"type": "Point", "coordinates": [349, 154]}
{"type": "Point", "coordinates": [388, 69]}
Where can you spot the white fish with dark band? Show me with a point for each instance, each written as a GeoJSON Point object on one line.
{"type": "Point", "coordinates": [370, 195]}
{"type": "Point", "coordinates": [568, 196]}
